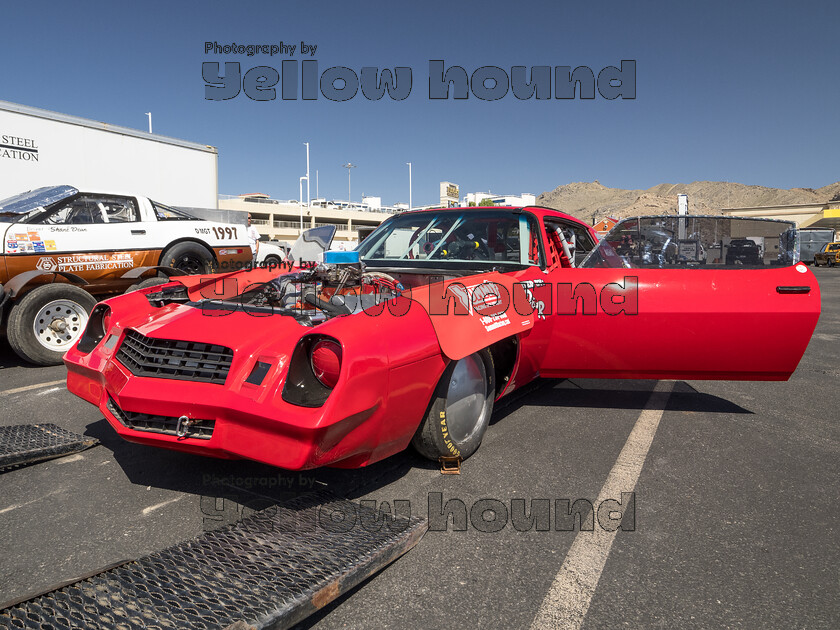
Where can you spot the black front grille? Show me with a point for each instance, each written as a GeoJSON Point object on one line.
{"type": "Point", "coordinates": [201, 429]}
{"type": "Point", "coordinates": [169, 358]}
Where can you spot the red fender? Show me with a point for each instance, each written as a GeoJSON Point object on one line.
{"type": "Point", "coordinates": [472, 313]}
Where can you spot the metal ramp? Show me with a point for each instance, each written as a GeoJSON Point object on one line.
{"type": "Point", "coordinates": [271, 570]}
{"type": "Point", "coordinates": [27, 443]}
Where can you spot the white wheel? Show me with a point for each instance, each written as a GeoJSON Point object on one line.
{"type": "Point", "coordinates": [47, 321]}
{"type": "Point", "coordinates": [59, 324]}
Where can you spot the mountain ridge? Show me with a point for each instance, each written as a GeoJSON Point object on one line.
{"type": "Point", "coordinates": [592, 201]}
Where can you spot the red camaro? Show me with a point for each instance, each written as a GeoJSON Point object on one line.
{"type": "Point", "coordinates": [411, 339]}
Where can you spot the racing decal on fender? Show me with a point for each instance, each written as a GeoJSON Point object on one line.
{"type": "Point", "coordinates": [481, 308]}
{"type": "Point", "coordinates": [87, 262]}
{"type": "Point", "coordinates": [46, 264]}
{"type": "Point", "coordinates": [531, 288]}
{"type": "Point", "coordinates": [487, 299]}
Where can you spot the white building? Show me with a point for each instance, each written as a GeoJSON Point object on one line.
{"type": "Point", "coordinates": [282, 220]}
{"type": "Point", "coordinates": [43, 148]}
{"type": "Point", "coordinates": [525, 199]}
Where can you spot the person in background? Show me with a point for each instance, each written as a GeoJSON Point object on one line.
{"type": "Point", "coordinates": [253, 238]}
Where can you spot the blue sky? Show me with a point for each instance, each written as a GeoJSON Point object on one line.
{"type": "Point", "coordinates": [746, 92]}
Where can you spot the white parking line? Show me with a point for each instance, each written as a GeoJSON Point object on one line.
{"type": "Point", "coordinates": [69, 458]}
{"type": "Point", "coordinates": [17, 390]}
{"type": "Point", "coordinates": [568, 599]}
{"type": "Point", "coordinates": [20, 505]}
{"type": "Point", "coordinates": [49, 391]}
{"type": "Point", "coordinates": [152, 508]}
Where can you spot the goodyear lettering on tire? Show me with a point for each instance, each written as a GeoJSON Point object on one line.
{"type": "Point", "coordinates": [445, 432]}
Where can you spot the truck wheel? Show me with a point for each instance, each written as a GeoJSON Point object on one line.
{"type": "Point", "coordinates": [816, 264]}
{"type": "Point", "coordinates": [189, 257]}
{"type": "Point", "coordinates": [148, 282]}
{"type": "Point", "coordinates": [460, 410]}
{"type": "Point", "coordinates": [272, 261]}
{"type": "Point", "coordinates": [47, 321]}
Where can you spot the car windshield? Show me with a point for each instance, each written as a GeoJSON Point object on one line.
{"type": "Point", "coordinates": [23, 205]}
{"type": "Point", "coordinates": [457, 237]}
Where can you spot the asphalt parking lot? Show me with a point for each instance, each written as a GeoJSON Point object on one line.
{"type": "Point", "coordinates": [735, 488]}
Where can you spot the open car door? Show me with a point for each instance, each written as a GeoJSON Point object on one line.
{"type": "Point", "coordinates": [680, 297]}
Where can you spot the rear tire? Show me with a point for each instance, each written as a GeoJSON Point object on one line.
{"type": "Point", "coordinates": [188, 257]}
{"type": "Point", "coordinates": [460, 409]}
{"type": "Point", "coordinates": [47, 321]}
{"type": "Point", "coordinates": [272, 261]}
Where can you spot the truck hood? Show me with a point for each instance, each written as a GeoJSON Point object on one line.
{"type": "Point", "coordinates": [13, 208]}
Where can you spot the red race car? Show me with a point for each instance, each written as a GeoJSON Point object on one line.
{"type": "Point", "coordinates": [411, 338]}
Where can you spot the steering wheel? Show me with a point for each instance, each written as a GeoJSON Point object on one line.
{"type": "Point", "coordinates": [483, 251]}
{"type": "Point", "coordinates": [470, 250]}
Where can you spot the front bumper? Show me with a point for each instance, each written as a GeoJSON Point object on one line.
{"type": "Point", "coordinates": [241, 427]}
{"type": "Point", "coordinates": [371, 413]}
{"type": "Point", "coordinates": [365, 419]}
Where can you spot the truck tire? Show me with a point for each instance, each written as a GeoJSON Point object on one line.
{"type": "Point", "coordinates": [148, 282]}
{"type": "Point", "coordinates": [47, 321]}
{"type": "Point", "coordinates": [189, 257]}
{"type": "Point", "coordinates": [272, 261]}
{"type": "Point", "coordinates": [460, 409]}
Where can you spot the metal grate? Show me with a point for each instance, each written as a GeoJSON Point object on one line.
{"type": "Point", "coordinates": [272, 570]}
{"type": "Point", "coordinates": [168, 358]}
{"type": "Point", "coordinates": [27, 443]}
{"type": "Point", "coordinates": [201, 429]}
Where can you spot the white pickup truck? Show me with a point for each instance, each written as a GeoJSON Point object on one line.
{"type": "Point", "coordinates": [61, 247]}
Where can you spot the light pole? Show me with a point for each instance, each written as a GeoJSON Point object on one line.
{"type": "Point", "coordinates": [149, 114]}
{"type": "Point", "coordinates": [308, 203]}
{"type": "Point", "coordinates": [409, 185]}
{"type": "Point", "coordinates": [300, 201]}
{"type": "Point", "coordinates": [348, 166]}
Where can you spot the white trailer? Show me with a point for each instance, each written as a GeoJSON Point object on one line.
{"type": "Point", "coordinates": [42, 148]}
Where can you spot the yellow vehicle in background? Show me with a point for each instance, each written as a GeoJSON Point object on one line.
{"type": "Point", "coordinates": [828, 255]}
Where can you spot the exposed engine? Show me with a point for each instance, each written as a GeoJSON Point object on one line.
{"type": "Point", "coordinates": [327, 290]}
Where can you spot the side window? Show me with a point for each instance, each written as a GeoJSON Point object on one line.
{"type": "Point", "coordinates": [117, 209]}
{"type": "Point", "coordinates": [697, 242]}
{"type": "Point", "coordinates": [578, 243]}
{"type": "Point", "coordinates": [165, 213]}
{"type": "Point", "coordinates": [89, 209]}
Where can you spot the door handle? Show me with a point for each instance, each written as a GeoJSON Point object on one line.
{"type": "Point", "coordinates": [789, 290]}
{"type": "Point", "coordinates": [138, 232]}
